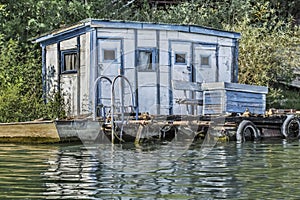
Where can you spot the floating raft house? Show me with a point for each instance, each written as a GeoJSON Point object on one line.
{"type": "Point", "coordinates": [139, 82]}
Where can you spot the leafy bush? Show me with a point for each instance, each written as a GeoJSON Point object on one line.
{"type": "Point", "coordinates": [268, 47]}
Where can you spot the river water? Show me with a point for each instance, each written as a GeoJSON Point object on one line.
{"type": "Point", "coordinates": [252, 170]}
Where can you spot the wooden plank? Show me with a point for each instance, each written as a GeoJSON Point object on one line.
{"type": "Point", "coordinates": [190, 101]}
{"type": "Point", "coordinates": [235, 87]}
{"type": "Point", "coordinates": [240, 109]}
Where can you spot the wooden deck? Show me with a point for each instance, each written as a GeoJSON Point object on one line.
{"type": "Point", "coordinates": [153, 128]}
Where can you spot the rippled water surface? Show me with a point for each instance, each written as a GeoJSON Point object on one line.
{"type": "Point", "coordinates": [262, 170]}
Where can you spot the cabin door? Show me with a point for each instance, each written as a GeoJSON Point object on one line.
{"type": "Point", "coordinates": [147, 80]}
{"type": "Point", "coordinates": [109, 65]}
{"type": "Point", "coordinates": [204, 63]}
{"type": "Point", "coordinates": [181, 70]}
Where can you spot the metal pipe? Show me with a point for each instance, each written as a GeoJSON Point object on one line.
{"type": "Point", "coordinates": [94, 93]}
{"type": "Point", "coordinates": [113, 104]}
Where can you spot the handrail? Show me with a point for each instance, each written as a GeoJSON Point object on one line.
{"type": "Point", "coordinates": [113, 104]}
{"type": "Point", "coordinates": [94, 93]}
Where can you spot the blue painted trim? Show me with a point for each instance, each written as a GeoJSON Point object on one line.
{"type": "Point", "coordinates": [59, 66]}
{"type": "Point", "coordinates": [54, 38]}
{"type": "Point", "coordinates": [136, 81]}
{"type": "Point", "coordinates": [113, 38]}
{"type": "Point", "coordinates": [99, 50]}
{"type": "Point", "coordinates": [78, 63]}
{"type": "Point", "coordinates": [192, 64]}
{"type": "Point", "coordinates": [217, 63]}
{"type": "Point", "coordinates": [122, 68]}
{"type": "Point", "coordinates": [157, 71]}
{"type": "Point", "coordinates": [122, 72]}
{"type": "Point", "coordinates": [190, 67]}
{"type": "Point", "coordinates": [69, 72]}
{"type": "Point", "coordinates": [214, 32]}
{"type": "Point", "coordinates": [93, 68]}
{"type": "Point", "coordinates": [170, 80]}
{"type": "Point", "coordinates": [153, 51]}
{"type": "Point", "coordinates": [86, 25]}
{"type": "Point", "coordinates": [185, 58]}
{"type": "Point", "coordinates": [109, 49]}
{"type": "Point", "coordinates": [98, 92]}
{"type": "Point", "coordinates": [44, 73]}
{"type": "Point", "coordinates": [161, 26]}
{"type": "Point", "coordinates": [109, 38]}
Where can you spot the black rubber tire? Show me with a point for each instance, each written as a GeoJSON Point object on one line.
{"type": "Point", "coordinates": [290, 128]}
{"type": "Point", "coordinates": [247, 131]}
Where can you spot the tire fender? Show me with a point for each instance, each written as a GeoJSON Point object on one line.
{"type": "Point", "coordinates": [287, 124]}
{"type": "Point", "coordinates": [248, 127]}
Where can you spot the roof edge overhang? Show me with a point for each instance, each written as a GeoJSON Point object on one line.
{"type": "Point", "coordinates": [89, 24]}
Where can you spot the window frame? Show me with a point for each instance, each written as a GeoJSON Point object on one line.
{"type": "Point", "coordinates": [154, 61]}
{"type": "Point", "coordinates": [109, 49]}
{"type": "Point", "coordinates": [209, 61]}
{"type": "Point", "coordinates": [185, 58]}
{"type": "Point", "coordinates": [63, 67]}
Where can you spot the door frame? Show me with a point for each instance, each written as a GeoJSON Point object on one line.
{"type": "Point", "coordinates": [192, 77]}
{"type": "Point", "coordinates": [99, 59]}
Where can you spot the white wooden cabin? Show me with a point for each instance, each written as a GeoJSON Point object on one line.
{"type": "Point", "coordinates": [155, 58]}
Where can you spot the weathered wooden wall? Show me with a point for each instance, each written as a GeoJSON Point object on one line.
{"type": "Point", "coordinates": [156, 94]}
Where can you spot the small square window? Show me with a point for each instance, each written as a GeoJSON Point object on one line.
{"type": "Point", "coordinates": [109, 55]}
{"type": "Point", "coordinates": [69, 61]}
{"type": "Point", "coordinates": [145, 60]}
{"type": "Point", "coordinates": [180, 58]}
{"type": "Point", "coordinates": [205, 61]}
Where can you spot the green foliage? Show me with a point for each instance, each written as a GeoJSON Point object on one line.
{"type": "Point", "coordinates": [55, 107]}
{"type": "Point", "coordinates": [268, 47]}
{"type": "Point", "coordinates": [283, 97]}
{"type": "Point", "coordinates": [267, 57]}
{"type": "Point", "coordinates": [268, 50]}
{"type": "Point", "coordinates": [16, 107]}
{"type": "Point", "coordinates": [20, 84]}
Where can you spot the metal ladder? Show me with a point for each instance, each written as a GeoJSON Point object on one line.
{"type": "Point", "coordinates": [134, 106]}
{"type": "Point", "coordinates": [113, 102]}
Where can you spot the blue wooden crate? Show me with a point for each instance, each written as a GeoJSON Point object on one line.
{"type": "Point", "coordinates": [223, 97]}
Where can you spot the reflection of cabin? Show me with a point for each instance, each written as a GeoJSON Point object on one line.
{"type": "Point", "coordinates": [156, 59]}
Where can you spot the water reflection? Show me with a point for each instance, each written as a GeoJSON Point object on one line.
{"type": "Point", "coordinates": [260, 170]}
{"type": "Point", "coordinates": [72, 173]}
{"type": "Point", "coordinates": [20, 169]}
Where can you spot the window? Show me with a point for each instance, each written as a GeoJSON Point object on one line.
{"type": "Point", "coordinates": [146, 60]}
{"type": "Point", "coordinates": [180, 58]}
{"type": "Point", "coordinates": [109, 55]}
{"type": "Point", "coordinates": [69, 61]}
{"type": "Point", "coordinates": [205, 61]}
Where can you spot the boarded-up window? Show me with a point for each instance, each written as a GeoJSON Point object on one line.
{"type": "Point", "coordinates": [146, 60]}
{"type": "Point", "coordinates": [109, 54]}
{"type": "Point", "coordinates": [180, 58]}
{"type": "Point", "coordinates": [205, 61]}
{"type": "Point", "coordinates": [69, 61]}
